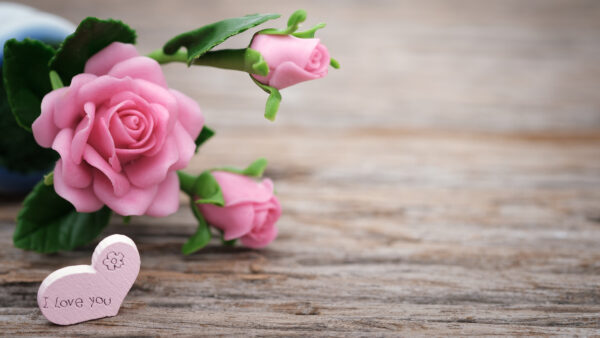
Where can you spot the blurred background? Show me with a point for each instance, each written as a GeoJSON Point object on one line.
{"type": "Point", "coordinates": [461, 65]}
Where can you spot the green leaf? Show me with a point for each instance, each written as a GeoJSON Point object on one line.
{"type": "Point", "coordinates": [203, 39]}
{"type": "Point", "coordinates": [48, 223]}
{"type": "Point", "coordinates": [26, 78]}
{"type": "Point", "coordinates": [201, 237]}
{"type": "Point", "coordinates": [18, 150]}
{"type": "Point", "coordinates": [255, 169]}
{"type": "Point", "coordinates": [205, 134]}
{"type": "Point", "coordinates": [273, 100]}
{"type": "Point", "coordinates": [208, 190]}
{"type": "Point", "coordinates": [91, 36]}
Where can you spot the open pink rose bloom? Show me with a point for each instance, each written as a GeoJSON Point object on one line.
{"type": "Point", "coordinates": [121, 134]}
{"type": "Point", "coordinates": [291, 60]}
{"type": "Point", "coordinates": [250, 212]}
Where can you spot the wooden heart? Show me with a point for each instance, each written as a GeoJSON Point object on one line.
{"type": "Point", "coordinates": [79, 293]}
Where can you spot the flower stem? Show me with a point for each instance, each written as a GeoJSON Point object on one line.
{"type": "Point", "coordinates": [246, 60]}
{"type": "Point", "coordinates": [162, 58]}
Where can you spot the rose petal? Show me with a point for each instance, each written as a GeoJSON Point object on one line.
{"type": "Point", "coordinates": [101, 140]}
{"type": "Point", "coordinates": [190, 116]}
{"type": "Point", "coordinates": [264, 230]}
{"type": "Point", "coordinates": [44, 129]}
{"type": "Point", "coordinates": [288, 74]}
{"type": "Point", "coordinates": [242, 189]}
{"type": "Point", "coordinates": [154, 93]}
{"type": "Point", "coordinates": [167, 197]}
{"type": "Point", "coordinates": [133, 203]}
{"type": "Point", "coordinates": [319, 60]}
{"type": "Point", "coordinates": [82, 133]}
{"type": "Point", "coordinates": [78, 174]}
{"type": "Point", "coordinates": [235, 221]}
{"type": "Point", "coordinates": [103, 88]}
{"type": "Point", "coordinates": [151, 170]}
{"type": "Point", "coordinates": [84, 200]}
{"type": "Point", "coordinates": [101, 62]}
{"type": "Point", "coordinates": [70, 107]}
{"type": "Point", "coordinates": [140, 67]}
{"type": "Point", "coordinates": [120, 184]}
{"type": "Point", "coordinates": [260, 239]}
{"type": "Point", "coordinates": [277, 49]}
{"type": "Point", "coordinates": [163, 126]}
{"type": "Point", "coordinates": [185, 145]}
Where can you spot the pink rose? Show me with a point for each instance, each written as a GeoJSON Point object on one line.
{"type": "Point", "coordinates": [121, 133]}
{"type": "Point", "coordinates": [250, 210]}
{"type": "Point", "coordinates": [290, 59]}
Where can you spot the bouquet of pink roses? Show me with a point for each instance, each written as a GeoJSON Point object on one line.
{"type": "Point", "coordinates": [120, 137]}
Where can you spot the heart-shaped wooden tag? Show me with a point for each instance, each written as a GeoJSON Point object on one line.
{"type": "Point", "coordinates": [79, 293]}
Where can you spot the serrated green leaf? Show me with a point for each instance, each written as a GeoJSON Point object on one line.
{"type": "Point", "coordinates": [204, 136]}
{"type": "Point", "coordinates": [18, 150]}
{"type": "Point", "coordinates": [201, 237]}
{"type": "Point", "coordinates": [273, 101]}
{"type": "Point", "coordinates": [26, 79]}
{"type": "Point", "coordinates": [91, 36]}
{"type": "Point", "coordinates": [208, 190]}
{"type": "Point", "coordinates": [203, 39]}
{"type": "Point", "coordinates": [255, 169]}
{"type": "Point", "coordinates": [48, 223]}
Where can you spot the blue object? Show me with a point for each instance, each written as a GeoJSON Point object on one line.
{"type": "Point", "coordinates": [19, 22]}
{"type": "Point", "coordinates": [15, 183]}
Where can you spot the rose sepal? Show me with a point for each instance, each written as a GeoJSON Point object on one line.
{"type": "Point", "coordinates": [201, 237]}
{"type": "Point", "coordinates": [293, 23]}
{"type": "Point", "coordinates": [273, 101]}
{"type": "Point", "coordinates": [255, 169]}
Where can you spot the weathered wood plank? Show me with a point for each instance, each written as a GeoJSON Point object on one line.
{"type": "Point", "coordinates": [441, 233]}
{"type": "Point", "coordinates": [451, 187]}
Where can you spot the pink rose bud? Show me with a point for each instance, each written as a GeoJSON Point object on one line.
{"type": "Point", "coordinates": [291, 60]}
{"type": "Point", "coordinates": [250, 212]}
{"type": "Point", "coordinates": [121, 134]}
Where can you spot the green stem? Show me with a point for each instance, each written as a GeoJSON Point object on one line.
{"type": "Point", "coordinates": [162, 58]}
{"type": "Point", "coordinates": [247, 60]}
{"type": "Point", "coordinates": [186, 182]}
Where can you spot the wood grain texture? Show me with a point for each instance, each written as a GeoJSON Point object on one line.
{"type": "Point", "coordinates": [446, 181]}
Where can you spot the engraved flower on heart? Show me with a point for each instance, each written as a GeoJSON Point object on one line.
{"type": "Point", "coordinates": [113, 260]}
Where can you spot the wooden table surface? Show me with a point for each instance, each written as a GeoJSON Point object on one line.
{"type": "Point", "coordinates": [446, 181]}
